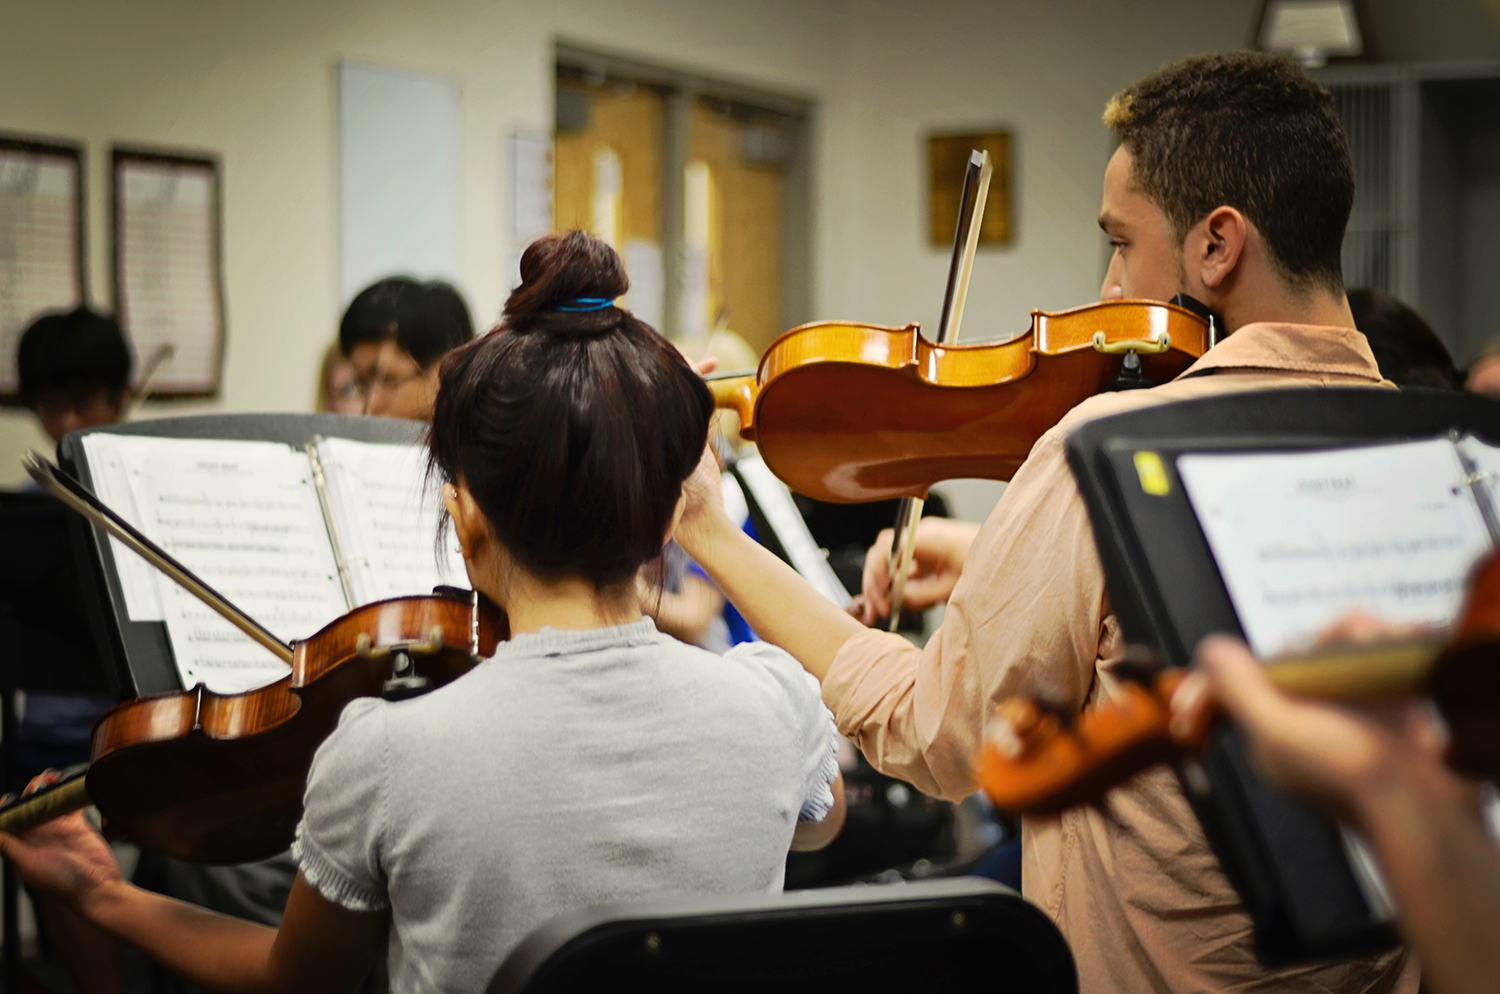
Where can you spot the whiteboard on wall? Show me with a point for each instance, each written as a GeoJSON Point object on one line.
{"type": "Point", "coordinates": [400, 176]}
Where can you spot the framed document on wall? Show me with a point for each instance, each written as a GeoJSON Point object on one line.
{"type": "Point", "coordinates": [168, 265]}
{"type": "Point", "coordinates": [41, 240]}
{"type": "Point", "coordinates": [946, 157]}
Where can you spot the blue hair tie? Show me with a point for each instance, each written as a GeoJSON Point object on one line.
{"type": "Point", "coordinates": [586, 304]}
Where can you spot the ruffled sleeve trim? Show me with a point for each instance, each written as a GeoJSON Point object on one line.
{"type": "Point", "coordinates": [820, 789]}
{"type": "Point", "coordinates": [332, 882]}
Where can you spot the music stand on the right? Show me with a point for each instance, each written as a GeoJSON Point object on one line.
{"type": "Point", "coordinates": [1288, 862]}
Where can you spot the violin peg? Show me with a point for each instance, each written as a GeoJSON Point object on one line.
{"type": "Point", "coordinates": [1020, 726]}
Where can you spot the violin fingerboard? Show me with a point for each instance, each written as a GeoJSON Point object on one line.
{"type": "Point", "coordinates": [29, 812]}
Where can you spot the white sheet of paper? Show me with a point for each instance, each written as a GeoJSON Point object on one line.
{"type": "Point", "coordinates": [387, 520]}
{"type": "Point", "coordinates": [245, 517]}
{"type": "Point", "coordinates": [1302, 539]}
{"type": "Point", "coordinates": [112, 461]}
{"type": "Point", "coordinates": [775, 502]}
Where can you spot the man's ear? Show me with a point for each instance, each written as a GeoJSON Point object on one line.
{"type": "Point", "coordinates": [469, 522]}
{"type": "Point", "coordinates": [1215, 245]}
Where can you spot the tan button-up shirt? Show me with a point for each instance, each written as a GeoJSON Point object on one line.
{"type": "Point", "coordinates": [1132, 884]}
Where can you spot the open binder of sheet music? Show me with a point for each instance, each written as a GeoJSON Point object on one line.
{"type": "Point", "coordinates": [1303, 539]}
{"type": "Point", "coordinates": [293, 537]}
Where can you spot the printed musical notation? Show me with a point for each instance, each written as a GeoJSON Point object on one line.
{"type": "Point", "coordinates": [41, 241]}
{"type": "Point", "coordinates": [1303, 539]}
{"type": "Point", "coordinates": [167, 265]}
{"type": "Point", "coordinates": [387, 518]}
{"type": "Point", "coordinates": [257, 535]}
{"type": "Point", "coordinates": [248, 518]}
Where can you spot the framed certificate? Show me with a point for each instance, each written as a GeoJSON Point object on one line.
{"type": "Point", "coordinates": [168, 265]}
{"type": "Point", "coordinates": [41, 241]}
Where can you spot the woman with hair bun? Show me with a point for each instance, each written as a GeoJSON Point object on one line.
{"type": "Point", "coordinates": [591, 759]}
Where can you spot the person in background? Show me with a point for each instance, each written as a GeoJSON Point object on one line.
{"type": "Point", "coordinates": [1407, 350]}
{"type": "Point", "coordinates": [1385, 776]}
{"type": "Point", "coordinates": [1484, 373]}
{"type": "Point", "coordinates": [338, 393]}
{"type": "Point", "coordinates": [74, 369]}
{"type": "Point", "coordinates": [394, 332]}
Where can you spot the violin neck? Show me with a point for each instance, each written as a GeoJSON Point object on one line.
{"type": "Point", "coordinates": [53, 801]}
{"type": "Point", "coordinates": [1358, 673]}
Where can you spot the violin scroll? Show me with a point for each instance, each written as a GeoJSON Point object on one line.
{"type": "Point", "coordinates": [1034, 760]}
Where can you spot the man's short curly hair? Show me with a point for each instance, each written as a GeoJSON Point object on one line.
{"type": "Point", "coordinates": [1250, 131]}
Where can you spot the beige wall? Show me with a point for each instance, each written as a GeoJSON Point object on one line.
{"type": "Point", "coordinates": [255, 82]}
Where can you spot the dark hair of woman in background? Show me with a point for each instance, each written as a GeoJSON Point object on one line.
{"type": "Point", "coordinates": [1408, 351]}
{"type": "Point", "coordinates": [394, 332]}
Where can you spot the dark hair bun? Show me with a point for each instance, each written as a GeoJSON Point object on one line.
{"type": "Point", "coordinates": [574, 430]}
{"type": "Point", "coordinates": [561, 268]}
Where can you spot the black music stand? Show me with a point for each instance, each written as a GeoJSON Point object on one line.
{"type": "Point", "coordinates": [1287, 861]}
{"type": "Point", "coordinates": [955, 936]}
{"type": "Point", "coordinates": [138, 652]}
{"type": "Point", "coordinates": [45, 644]}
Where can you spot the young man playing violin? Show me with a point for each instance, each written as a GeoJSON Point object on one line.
{"type": "Point", "coordinates": [1232, 184]}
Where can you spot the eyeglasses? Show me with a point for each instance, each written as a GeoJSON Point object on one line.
{"type": "Point", "coordinates": [383, 380]}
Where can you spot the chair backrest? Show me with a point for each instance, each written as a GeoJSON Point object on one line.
{"type": "Point", "coordinates": [951, 935]}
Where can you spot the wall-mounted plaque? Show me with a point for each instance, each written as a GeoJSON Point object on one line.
{"type": "Point", "coordinates": [41, 241]}
{"type": "Point", "coordinates": [947, 157]}
{"type": "Point", "coordinates": [168, 270]}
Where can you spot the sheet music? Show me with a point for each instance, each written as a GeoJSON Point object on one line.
{"type": "Point", "coordinates": [775, 502]}
{"type": "Point", "coordinates": [168, 268]}
{"type": "Point", "coordinates": [244, 516]}
{"type": "Point", "coordinates": [114, 460]}
{"type": "Point", "coordinates": [39, 236]}
{"type": "Point", "coordinates": [1302, 539]}
{"type": "Point", "coordinates": [387, 519]}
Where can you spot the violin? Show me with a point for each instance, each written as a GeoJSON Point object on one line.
{"type": "Point", "coordinates": [1051, 761]}
{"type": "Point", "coordinates": [219, 778]}
{"type": "Point", "coordinates": [847, 412]}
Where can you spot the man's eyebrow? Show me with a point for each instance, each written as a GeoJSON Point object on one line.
{"type": "Point", "coordinates": [1106, 220]}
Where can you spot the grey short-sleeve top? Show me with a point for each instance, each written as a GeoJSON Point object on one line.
{"type": "Point", "coordinates": [572, 768]}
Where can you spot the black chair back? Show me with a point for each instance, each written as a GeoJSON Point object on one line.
{"type": "Point", "coordinates": [950, 935]}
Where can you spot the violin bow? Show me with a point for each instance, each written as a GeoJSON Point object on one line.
{"type": "Point", "coordinates": [78, 498]}
{"type": "Point", "coordinates": [965, 243]}
{"type": "Point", "coordinates": [153, 367]}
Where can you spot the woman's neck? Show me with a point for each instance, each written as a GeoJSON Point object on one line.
{"type": "Point", "coordinates": [570, 603]}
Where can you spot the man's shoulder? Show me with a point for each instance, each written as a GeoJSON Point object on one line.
{"type": "Point", "coordinates": [1108, 404]}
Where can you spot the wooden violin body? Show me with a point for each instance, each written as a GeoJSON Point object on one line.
{"type": "Point", "coordinates": [851, 412]}
{"type": "Point", "coordinates": [219, 778]}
